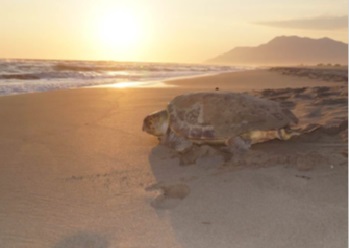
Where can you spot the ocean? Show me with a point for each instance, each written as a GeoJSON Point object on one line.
{"type": "Point", "coordinates": [18, 76]}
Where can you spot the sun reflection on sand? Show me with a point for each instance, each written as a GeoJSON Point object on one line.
{"type": "Point", "coordinates": [135, 84]}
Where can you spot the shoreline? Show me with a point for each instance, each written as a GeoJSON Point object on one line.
{"type": "Point", "coordinates": [252, 79]}
{"type": "Point", "coordinates": [125, 84]}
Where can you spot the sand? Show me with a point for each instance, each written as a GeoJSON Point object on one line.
{"type": "Point", "coordinates": [77, 171]}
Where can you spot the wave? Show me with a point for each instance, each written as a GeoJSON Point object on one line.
{"type": "Point", "coordinates": [24, 76]}
{"type": "Point", "coordinates": [64, 67]}
{"type": "Point", "coordinates": [134, 67]}
{"type": "Point", "coordinates": [21, 76]}
{"type": "Point", "coordinates": [42, 86]}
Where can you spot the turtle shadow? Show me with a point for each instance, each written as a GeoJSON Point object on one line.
{"type": "Point", "coordinates": [83, 239]}
{"type": "Point", "coordinates": [198, 155]}
{"type": "Point", "coordinates": [193, 197]}
{"type": "Point", "coordinates": [175, 172]}
{"type": "Point", "coordinates": [303, 152]}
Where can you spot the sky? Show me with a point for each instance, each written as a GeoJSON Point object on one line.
{"type": "Point", "coordinates": [189, 31]}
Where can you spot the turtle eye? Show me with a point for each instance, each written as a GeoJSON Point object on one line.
{"type": "Point", "coordinates": [150, 122]}
{"type": "Point", "coordinates": [147, 123]}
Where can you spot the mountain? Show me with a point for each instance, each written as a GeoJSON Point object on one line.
{"type": "Point", "coordinates": [287, 50]}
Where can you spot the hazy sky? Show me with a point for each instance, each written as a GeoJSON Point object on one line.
{"type": "Point", "coordinates": [159, 30]}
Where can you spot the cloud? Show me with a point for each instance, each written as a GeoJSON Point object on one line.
{"type": "Point", "coordinates": [315, 23]}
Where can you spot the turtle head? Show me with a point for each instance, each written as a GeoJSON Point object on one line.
{"type": "Point", "coordinates": [156, 123]}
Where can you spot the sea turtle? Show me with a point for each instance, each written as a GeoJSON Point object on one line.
{"type": "Point", "coordinates": [221, 118]}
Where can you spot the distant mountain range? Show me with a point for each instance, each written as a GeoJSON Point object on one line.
{"type": "Point", "coordinates": [287, 50]}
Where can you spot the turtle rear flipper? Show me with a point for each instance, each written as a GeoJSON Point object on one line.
{"type": "Point", "coordinates": [260, 136]}
{"type": "Point", "coordinates": [288, 133]}
{"type": "Point", "coordinates": [311, 128]}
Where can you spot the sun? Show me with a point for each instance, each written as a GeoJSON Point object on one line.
{"type": "Point", "coordinates": [118, 32]}
{"type": "Point", "coordinates": [119, 29]}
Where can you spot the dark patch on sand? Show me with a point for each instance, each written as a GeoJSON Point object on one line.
{"type": "Point", "coordinates": [170, 195]}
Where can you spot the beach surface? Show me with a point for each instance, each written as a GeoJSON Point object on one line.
{"type": "Point", "coordinates": [76, 170]}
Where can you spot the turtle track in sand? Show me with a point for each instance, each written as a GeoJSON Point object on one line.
{"type": "Point", "coordinates": [323, 106]}
{"type": "Point", "coordinates": [326, 106]}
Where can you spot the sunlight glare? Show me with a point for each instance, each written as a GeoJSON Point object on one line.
{"type": "Point", "coordinates": [119, 32]}
{"type": "Point", "coordinates": [119, 29]}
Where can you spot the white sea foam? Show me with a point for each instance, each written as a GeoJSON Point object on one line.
{"type": "Point", "coordinates": [27, 76]}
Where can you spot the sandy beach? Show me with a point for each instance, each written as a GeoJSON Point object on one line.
{"type": "Point", "coordinates": [76, 170]}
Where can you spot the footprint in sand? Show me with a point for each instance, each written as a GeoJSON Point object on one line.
{"type": "Point", "coordinates": [170, 196]}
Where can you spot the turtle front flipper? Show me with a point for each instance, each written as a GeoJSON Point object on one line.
{"type": "Point", "coordinates": [237, 147]}
{"type": "Point", "coordinates": [176, 142]}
